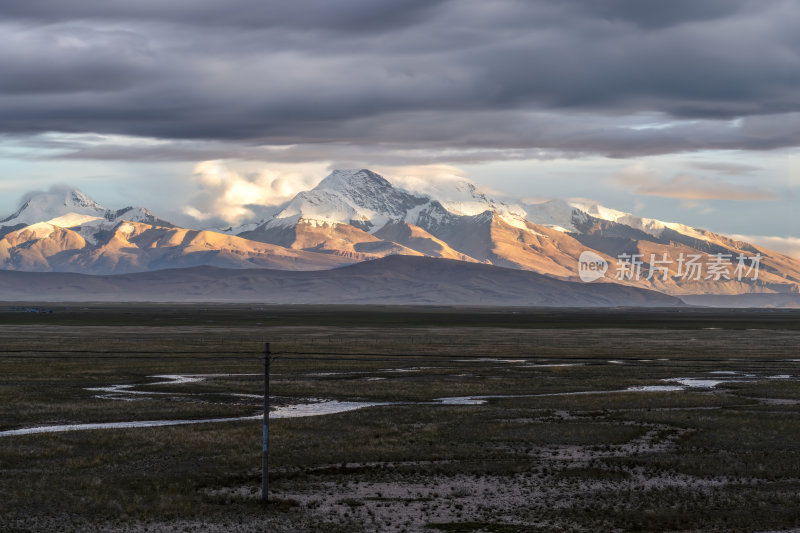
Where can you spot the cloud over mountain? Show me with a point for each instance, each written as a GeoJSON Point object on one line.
{"type": "Point", "coordinates": [234, 197]}
{"type": "Point", "coordinates": [688, 186]}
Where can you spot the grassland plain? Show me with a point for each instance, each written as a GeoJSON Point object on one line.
{"type": "Point", "coordinates": [616, 420]}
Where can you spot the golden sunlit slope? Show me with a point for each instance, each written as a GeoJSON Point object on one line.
{"type": "Point", "coordinates": [32, 247]}
{"type": "Point", "coordinates": [329, 238]}
{"type": "Point", "coordinates": [777, 273]}
{"type": "Point", "coordinates": [133, 247]}
{"type": "Point", "coordinates": [418, 239]}
{"type": "Point", "coordinates": [535, 248]}
{"type": "Point", "coordinates": [489, 238]}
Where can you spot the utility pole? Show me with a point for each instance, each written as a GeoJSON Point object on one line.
{"type": "Point", "coordinates": [265, 434]}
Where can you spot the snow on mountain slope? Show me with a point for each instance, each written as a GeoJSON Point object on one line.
{"type": "Point", "coordinates": [70, 220]}
{"type": "Point", "coordinates": [357, 197]}
{"type": "Point", "coordinates": [463, 197]}
{"type": "Point", "coordinates": [320, 206]}
{"type": "Point", "coordinates": [58, 201]}
{"type": "Point", "coordinates": [138, 214]}
{"type": "Point", "coordinates": [556, 214]}
{"type": "Point", "coordinates": [570, 216]}
{"type": "Point", "coordinates": [369, 201]}
{"type": "Point", "coordinates": [369, 191]}
{"type": "Point", "coordinates": [40, 230]}
{"type": "Point", "coordinates": [69, 207]}
{"type": "Point", "coordinates": [648, 225]}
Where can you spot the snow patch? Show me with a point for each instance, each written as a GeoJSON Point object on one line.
{"type": "Point", "coordinates": [71, 220]}
{"type": "Point", "coordinates": [40, 230]}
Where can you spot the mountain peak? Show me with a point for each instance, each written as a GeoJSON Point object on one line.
{"type": "Point", "coordinates": [71, 206]}
{"type": "Point", "coordinates": [58, 201]}
{"type": "Point", "coordinates": [354, 180]}
{"type": "Point", "coordinates": [350, 196]}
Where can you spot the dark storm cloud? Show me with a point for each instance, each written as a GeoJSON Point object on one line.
{"type": "Point", "coordinates": [467, 137]}
{"type": "Point", "coordinates": [655, 14]}
{"type": "Point", "coordinates": [342, 15]}
{"type": "Point", "coordinates": [58, 60]}
{"type": "Point", "coordinates": [614, 77]}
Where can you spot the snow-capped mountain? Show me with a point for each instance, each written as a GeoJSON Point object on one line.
{"type": "Point", "coordinates": [68, 207]}
{"type": "Point", "coordinates": [366, 200]}
{"type": "Point", "coordinates": [59, 201]}
{"type": "Point", "coordinates": [347, 210]}
{"type": "Point", "coordinates": [66, 231]}
{"type": "Point", "coordinates": [361, 215]}
{"type": "Point", "coordinates": [357, 215]}
{"type": "Point", "coordinates": [360, 198]}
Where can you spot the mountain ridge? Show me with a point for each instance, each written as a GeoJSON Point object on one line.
{"type": "Point", "coordinates": [392, 280]}
{"type": "Point", "coordinates": [358, 215]}
{"type": "Point", "coordinates": [547, 237]}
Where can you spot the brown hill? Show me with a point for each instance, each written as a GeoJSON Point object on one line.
{"type": "Point", "coordinates": [133, 247]}
{"type": "Point", "coordinates": [392, 280]}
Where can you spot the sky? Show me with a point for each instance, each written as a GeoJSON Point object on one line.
{"type": "Point", "coordinates": [684, 111]}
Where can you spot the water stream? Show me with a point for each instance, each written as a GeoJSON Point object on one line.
{"type": "Point", "coordinates": [321, 406]}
